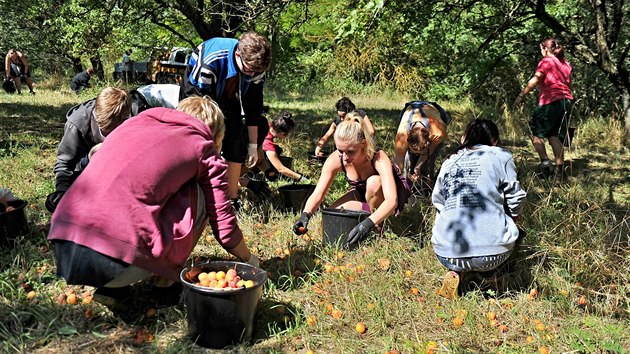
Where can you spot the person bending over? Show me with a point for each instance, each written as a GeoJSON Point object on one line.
{"type": "Point", "coordinates": [376, 185]}
{"type": "Point", "coordinates": [419, 140]}
{"type": "Point", "coordinates": [143, 203]}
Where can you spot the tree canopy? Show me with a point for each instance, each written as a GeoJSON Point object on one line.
{"type": "Point", "coordinates": [485, 49]}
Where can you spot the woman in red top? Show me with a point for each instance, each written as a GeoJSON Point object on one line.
{"type": "Point", "coordinates": [549, 119]}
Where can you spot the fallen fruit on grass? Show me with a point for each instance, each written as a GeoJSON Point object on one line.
{"type": "Point", "coordinates": [150, 312]}
{"type": "Point", "coordinates": [415, 291]}
{"type": "Point", "coordinates": [384, 263]}
{"type": "Point", "coordinates": [72, 299]}
{"type": "Point", "coordinates": [458, 321]}
{"type": "Point", "coordinates": [494, 323]}
{"type": "Point", "coordinates": [370, 306]}
{"type": "Point", "coordinates": [360, 327]}
{"type": "Point", "coordinates": [543, 350]}
{"type": "Point", "coordinates": [31, 295]}
{"type": "Point", "coordinates": [329, 307]}
{"type": "Point", "coordinates": [491, 316]}
{"type": "Point", "coordinates": [503, 328]}
{"type": "Point", "coordinates": [533, 292]}
{"type": "Point", "coordinates": [329, 267]}
{"type": "Point", "coordinates": [582, 301]}
{"type": "Point", "coordinates": [530, 339]}
{"type": "Point", "coordinates": [539, 325]}
{"type": "Point", "coordinates": [310, 320]}
{"type": "Point", "coordinates": [408, 274]}
{"type": "Point", "coordinates": [339, 255]}
{"type": "Point", "coordinates": [301, 229]}
{"type": "Point", "coordinates": [337, 314]}
{"type": "Point", "coordinates": [310, 352]}
{"type": "Point", "coordinates": [393, 351]}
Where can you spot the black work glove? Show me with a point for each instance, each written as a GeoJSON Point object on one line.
{"type": "Point", "coordinates": [259, 187]}
{"type": "Point", "coordinates": [53, 199]}
{"type": "Point", "coordinates": [300, 226]}
{"type": "Point", "coordinates": [360, 231]}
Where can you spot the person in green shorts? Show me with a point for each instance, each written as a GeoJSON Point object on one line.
{"type": "Point", "coordinates": [550, 118]}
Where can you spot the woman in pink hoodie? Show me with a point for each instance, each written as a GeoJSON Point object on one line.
{"type": "Point", "coordinates": [142, 203]}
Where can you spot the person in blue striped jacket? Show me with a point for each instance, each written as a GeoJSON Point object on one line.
{"type": "Point", "coordinates": [232, 72]}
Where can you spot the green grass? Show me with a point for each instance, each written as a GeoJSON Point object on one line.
{"type": "Point", "coordinates": [576, 245]}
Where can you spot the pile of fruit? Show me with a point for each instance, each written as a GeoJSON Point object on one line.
{"type": "Point", "coordinates": [222, 280]}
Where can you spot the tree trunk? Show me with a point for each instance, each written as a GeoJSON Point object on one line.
{"type": "Point", "coordinates": [97, 64]}
{"type": "Point", "coordinates": [625, 97]}
{"type": "Point", "coordinates": [77, 67]}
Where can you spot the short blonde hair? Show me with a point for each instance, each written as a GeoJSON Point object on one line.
{"type": "Point", "coordinates": [113, 106]}
{"type": "Point", "coordinates": [354, 131]}
{"type": "Point", "coordinates": [207, 111]}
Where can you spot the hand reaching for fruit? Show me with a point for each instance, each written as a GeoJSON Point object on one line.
{"type": "Point", "coordinates": [301, 225]}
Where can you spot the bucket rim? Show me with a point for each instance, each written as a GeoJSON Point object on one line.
{"type": "Point", "coordinates": [344, 212]}
{"type": "Point", "coordinates": [296, 187]}
{"type": "Point", "coordinates": [225, 292]}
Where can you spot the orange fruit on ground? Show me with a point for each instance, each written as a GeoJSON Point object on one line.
{"type": "Point", "coordinates": [370, 306]}
{"type": "Point", "coordinates": [339, 255]}
{"type": "Point", "coordinates": [393, 351]}
{"type": "Point", "coordinates": [337, 314]}
{"type": "Point", "coordinates": [329, 307]}
{"type": "Point", "coordinates": [310, 320]}
{"type": "Point", "coordinates": [543, 350]}
{"type": "Point", "coordinates": [384, 263]}
{"type": "Point", "coordinates": [72, 299]}
{"type": "Point", "coordinates": [31, 295]}
{"type": "Point", "coordinates": [530, 339]}
{"type": "Point", "coordinates": [582, 301]}
{"type": "Point", "coordinates": [408, 274]}
{"type": "Point", "coordinates": [415, 291]}
{"type": "Point", "coordinates": [533, 292]}
{"type": "Point", "coordinates": [491, 316]}
{"type": "Point", "coordinates": [539, 325]}
{"type": "Point", "coordinates": [150, 312]}
{"type": "Point", "coordinates": [503, 328]}
{"type": "Point", "coordinates": [494, 323]}
{"type": "Point", "coordinates": [458, 321]}
{"type": "Point", "coordinates": [301, 229]}
{"type": "Point", "coordinates": [360, 327]}
{"type": "Point", "coordinates": [310, 352]}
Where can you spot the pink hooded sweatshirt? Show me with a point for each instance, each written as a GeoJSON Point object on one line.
{"type": "Point", "coordinates": [137, 198]}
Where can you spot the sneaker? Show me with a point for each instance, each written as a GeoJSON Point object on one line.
{"type": "Point", "coordinates": [450, 284]}
{"type": "Point", "coordinates": [114, 298]}
{"type": "Point", "coordinates": [560, 174]}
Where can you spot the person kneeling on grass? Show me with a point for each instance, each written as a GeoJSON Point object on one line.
{"type": "Point", "coordinates": [376, 184]}
{"type": "Point", "coordinates": [142, 204]}
{"type": "Point", "coordinates": [477, 197]}
{"type": "Point", "coordinates": [280, 128]}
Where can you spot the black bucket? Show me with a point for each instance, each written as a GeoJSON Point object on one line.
{"type": "Point", "coordinates": [320, 159]}
{"type": "Point", "coordinates": [286, 161]}
{"type": "Point", "coordinates": [294, 196]}
{"type": "Point", "coordinates": [14, 222]}
{"type": "Point", "coordinates": [218, 318]}
{"type": "Point", "coordinates": [337, 224]}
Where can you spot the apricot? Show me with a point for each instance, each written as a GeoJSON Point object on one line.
{"type": "Point", "coordinates": [301, 230]}
{"type": "Point", "coordinates": [339, 255]}
{"type": "Point", "coordinates": [530, 339]}
{"type": "Point", "coordinates": [337, 314]}
{"type": "Point", "coordinates": [408, 274]}
{"type": "Point", "coordinates": [310, 320]}
{"type": "Point", "coordinates": [415, 291]}
{"type": "Point", "coordinates": [202, 276]}
{"type": "Point", "coordinates": [543, 350]}
{"type": "Point", "coordinates": [491, 316]}
{"type": "Point", "coordinates": [582, 301]}
{"type": "Point", "coordinates": [393, 351]}
{"type": "Point", "coordinates": [370, 306]}
{"type": "Point", "coordinates": [31, 295]}
{"type": "Point", "coordinates": [458, 321]}
{"type": "Point", "coordinates": [360, 327]}
{"type": "Point", "coordinates": [72, 299]}
{"type": "Point", "coordinates": [503, 328]}
{"type": "Point", "coordinates": [249, 284]}
{"type": "Point", "coordinates": [220, 275]}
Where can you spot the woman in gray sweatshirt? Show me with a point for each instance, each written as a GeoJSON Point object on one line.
{"type": "Point", "coordinates": [477, 198]}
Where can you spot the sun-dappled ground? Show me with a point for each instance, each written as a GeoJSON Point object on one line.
{"type": "Point", "coordinates": [564, 290]}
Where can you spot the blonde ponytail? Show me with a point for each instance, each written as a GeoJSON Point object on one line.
{"type": "Point", "coordinates": [353, 130]}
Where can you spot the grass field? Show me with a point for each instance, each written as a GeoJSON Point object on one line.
{"type": "Point", "coordinates": [566, 289]}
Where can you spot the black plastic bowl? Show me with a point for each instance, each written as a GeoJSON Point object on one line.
{"type": "Point", "coordinates": [218, 318]}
